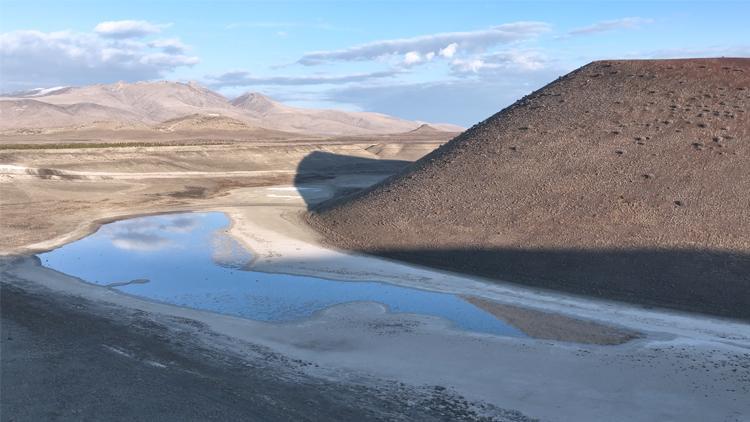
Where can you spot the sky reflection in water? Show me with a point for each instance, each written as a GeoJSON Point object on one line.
{"type": "Point", "coordinates": [190, 260]}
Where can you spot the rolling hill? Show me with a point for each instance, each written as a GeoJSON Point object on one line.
{"type": "Point", "coordinates": [293, 119]}
{"type": "Point", "coordinates": [156, 103]}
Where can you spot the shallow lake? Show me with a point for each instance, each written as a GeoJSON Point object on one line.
{"type": "Point", "coordinates": [188, 259]}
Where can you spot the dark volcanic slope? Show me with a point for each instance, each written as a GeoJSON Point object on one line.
{"type": "Point", "coordinates": [623, 179]}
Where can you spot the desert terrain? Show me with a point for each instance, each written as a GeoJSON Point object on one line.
{"type": "Point", "coordinates": [625, 180]}
{"type": "Point", "coordinates": [172, 106]}
{"type": "Point", "coordinates": [314, 202]}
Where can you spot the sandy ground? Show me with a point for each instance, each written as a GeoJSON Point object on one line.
{"type": "Point", "coordinates": [388, 366]}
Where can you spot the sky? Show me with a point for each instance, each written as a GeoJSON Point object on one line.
{"type": "Point", "coordinates": [439, 61]}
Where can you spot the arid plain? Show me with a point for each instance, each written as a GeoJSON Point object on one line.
{"type": "Point", "coordinates": [267, 166]}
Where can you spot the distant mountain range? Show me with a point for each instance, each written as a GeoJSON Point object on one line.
{"type": "Point", "coordinates": [168, 105]}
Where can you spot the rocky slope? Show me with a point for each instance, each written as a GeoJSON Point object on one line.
{"type": "Point", "coordinates": [626, 180]}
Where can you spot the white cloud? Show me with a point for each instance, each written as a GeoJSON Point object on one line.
{"type": "Point", "coordinates": [462, 101]}
{"type": "Point", "coordinates": [242, 78]}
{"type": "Point", "coordinates": [501, 61]}
{"type": "Point", "coordinates": [610, 25]}
{"type": "Point", "coordinates": [34, 58]}
{"type": "Point", "coordinates": [142, 234]}
{"type": "Point", "coordinates": [140, 242]}
{"type": "Point", "coordinates": [449, 51]}
{"type": "Point", "coordinates": [469, 41]}
{"type": "Point", "coordinates": [165, 60]}
{"type": "Point", "coordinates": [169, 45]}
{"type": "Point", "coordinates": [127, 29]}
{"type": "Point", "coordinates": [411, 58]}
{"type": "Point", "coordinates": [468, 66]}
{"type": "Point", "coordinates": [184, 224]}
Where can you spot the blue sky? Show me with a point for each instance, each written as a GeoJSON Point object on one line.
{"type": "Point", "coordinates": [443, 61]}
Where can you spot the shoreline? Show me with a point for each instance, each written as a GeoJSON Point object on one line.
{"type": "Point", "coordinates": [598, 333]}
{"type": "Point", "coordinates": [294, 247]}
{"type": "Point", "coordinates": [349, 340]}
{"type": "Point", "coordinates": [362, 341]}
{"type": "Point", "coordinates": [291, 246]}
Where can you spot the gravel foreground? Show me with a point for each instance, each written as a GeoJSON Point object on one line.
{"type": "Point", "coordinates": [67, 358]}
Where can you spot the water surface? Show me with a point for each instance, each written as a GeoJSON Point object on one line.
{"type": "Point", "coordinates": [188, 259]}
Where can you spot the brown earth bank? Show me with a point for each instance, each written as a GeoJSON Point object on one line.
{"type": "Point", "coordinates": [549, 326]}
{"type": "Point", "coordinates": [625, 180]}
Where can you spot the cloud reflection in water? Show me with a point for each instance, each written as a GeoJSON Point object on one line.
{"type": "Point", "coordinates": [190, 260]}
{"type": "Point", "coordinates": [149, 234]}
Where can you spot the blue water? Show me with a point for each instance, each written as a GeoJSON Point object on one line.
{"type": "Point", "coordinates": [188, 259]}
